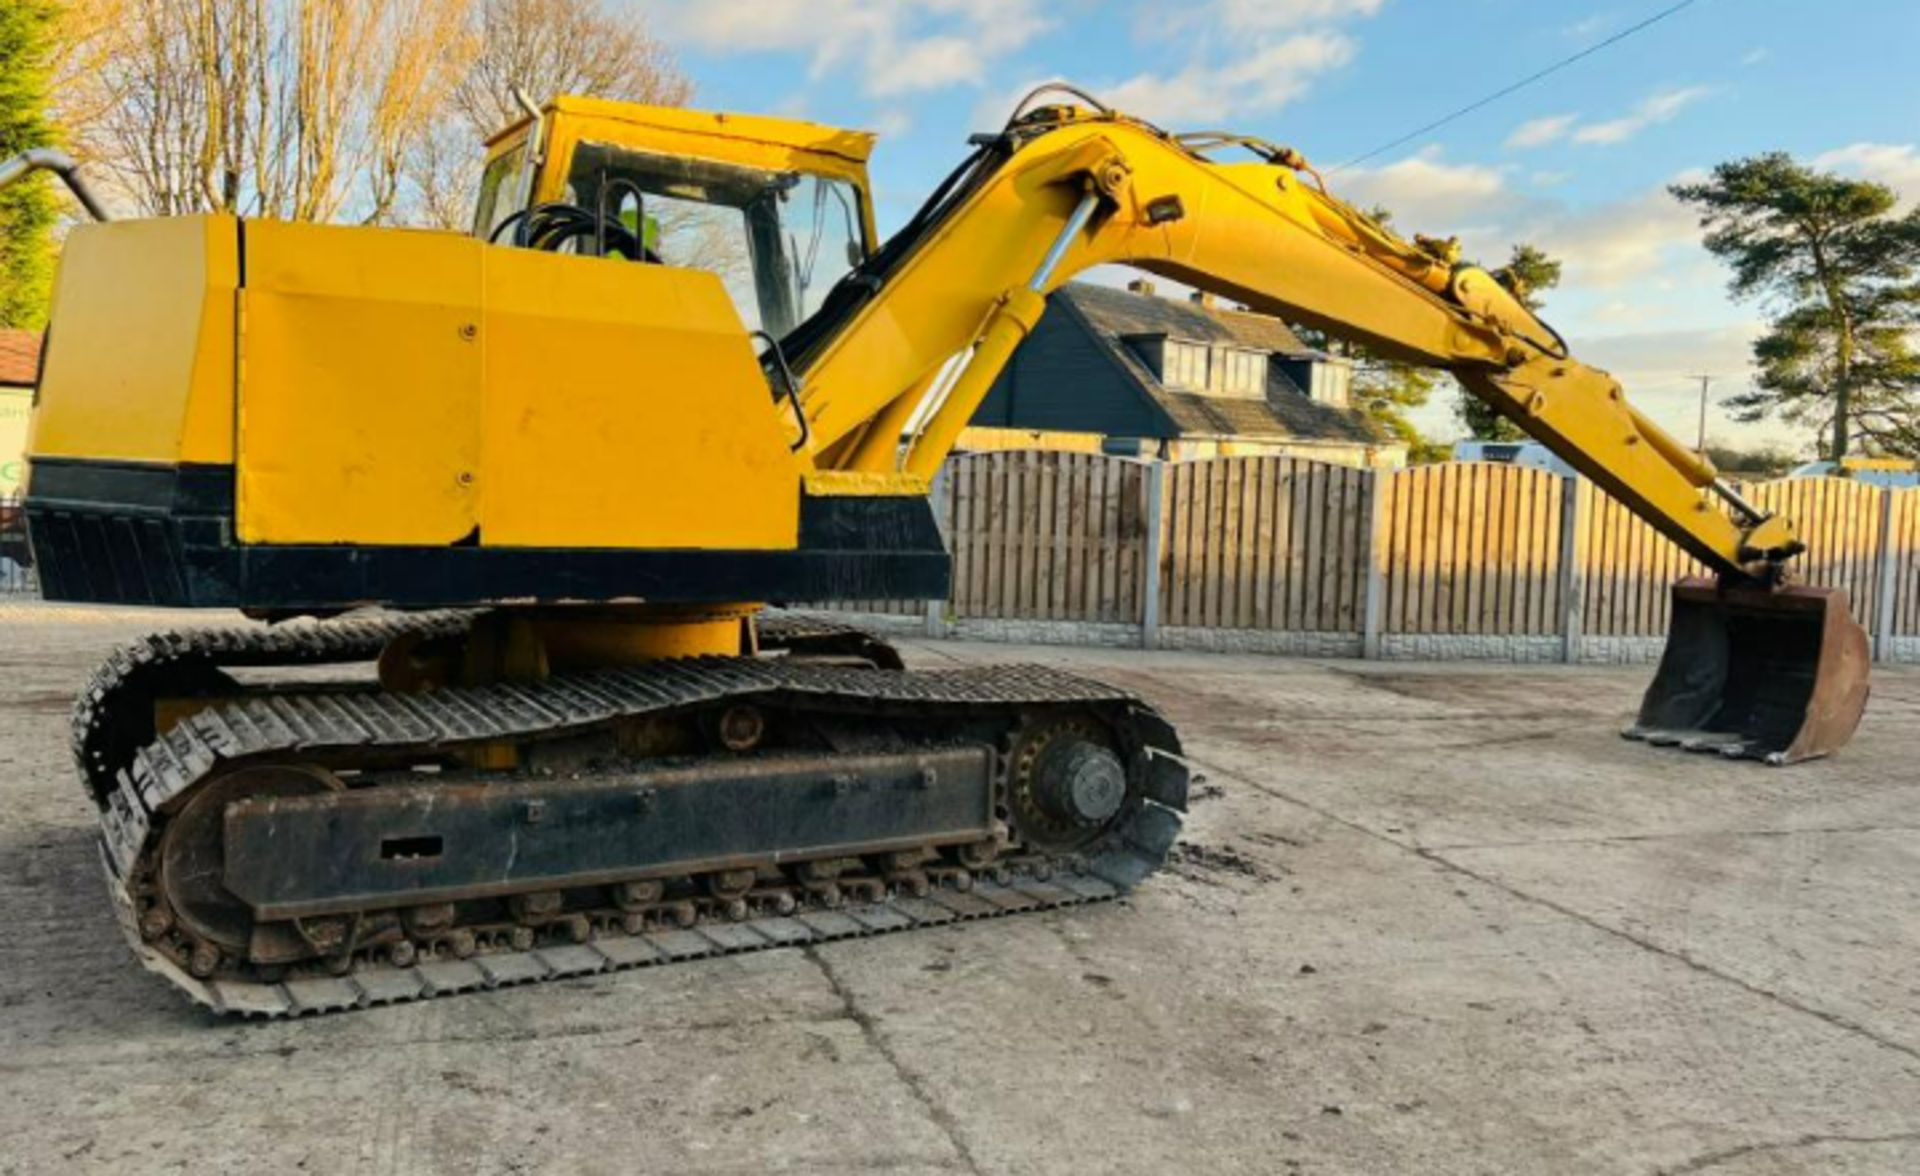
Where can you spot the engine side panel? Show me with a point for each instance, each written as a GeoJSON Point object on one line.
{"type": "Point", "coordinates": [359, 406]}
{"type": "Point", "coordinates": [624, 408]}
{"type": "Point", "coordinates": [404, 388]}
{"type": "Point", "coordinates": [140, 362]}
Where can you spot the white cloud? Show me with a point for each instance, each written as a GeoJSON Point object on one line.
{"type": "Point", "coordinates": [1582, 29]}
{"type": "Point", "coordinates": [1539, 132]}
{"type": "Point", "coordinates": [1659, 108]}
{"type": "Point", "coordinates": [1641, 240]}
{"type": "Point", "coordinates": [1549, 179]}
{"type": "Point", "coordinates": [1755, 56]}
{"type": "Point", "coordinates": [932, 64]}
{"type": "Point", "coordinates": [1268, 15]}
{"type": "Point", "coordinates": [1649, 240]}
{"type": "Point", "coordinates": [1426, 194]}
{"type": "Point", "coordinates": [1628, 312]}
{"type": "Point", "coordinates": [892, 46]}
{"type": "Point", "coordinates": [1897, 165]}
{"type": "Point", "coordinates": [1651, 358]}
{"type": "Point", "coordinates": [891, 123]}
{"type": "Point", "coordinates": [1260, 81]}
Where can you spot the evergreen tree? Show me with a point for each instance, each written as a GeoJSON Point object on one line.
{"type": "Point", "coordinates": [27, 208]}
{"type": "Point", "coordinates": [1839, 267]}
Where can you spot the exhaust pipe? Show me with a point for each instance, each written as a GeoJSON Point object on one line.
{"type": "Point", "coordinates": [1775, 675]}
{"type": "Point", "coordinates": [60, 164]}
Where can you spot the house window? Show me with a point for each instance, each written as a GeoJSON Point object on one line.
{"type": "Point", "coordinates": [1241, 373]}
{"type": "Point", "coordinates": [1185, 366]}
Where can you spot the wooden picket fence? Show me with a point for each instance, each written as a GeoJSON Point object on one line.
{"type": "Point", "coordinates": [1472, 549]}
{"type": "Point", "coordinates": [1265, 543]}
{"type": "Point", "coordinates": [1042, 535]}
{"type": "Point", "coordinates": [1295, 546]}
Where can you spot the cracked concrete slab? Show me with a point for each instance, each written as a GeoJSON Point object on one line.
{"type": "Point", "coordinates": [1427, 918]}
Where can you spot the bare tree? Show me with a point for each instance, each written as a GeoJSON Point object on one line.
{"type": "Point", "coordinates": [296, 109]}
{"type": "Point", "coordinates": [563, 47]}
{"type": "Point", "coordinates": [546, 47]}
{"type": "Point", "coordinates": [367, 110]}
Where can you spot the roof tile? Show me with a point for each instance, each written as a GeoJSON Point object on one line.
{"type": "Point", "coordinates": [1123, 313]}
{"type": "Point", "coordinates": [19, 358]}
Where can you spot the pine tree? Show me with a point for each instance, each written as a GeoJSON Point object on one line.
{"type": "Point", "coordinates": [1840, 267]}
{"type": "Point", "coordinates": [26, 209]}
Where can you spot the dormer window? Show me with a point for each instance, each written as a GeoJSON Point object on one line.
{"type": "Point", "coordinates": [1213, 369]}
{"type": "Point", "coordinates": [1238, 372]}
{"type": "Point", "coordinates": [1185, 366]}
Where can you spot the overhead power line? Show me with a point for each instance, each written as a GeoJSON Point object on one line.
{"type": "Point", "coordinates": [1531, 78]}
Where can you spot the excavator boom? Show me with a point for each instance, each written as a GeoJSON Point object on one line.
{"type": "Point", "coordinates": [1772, 672]}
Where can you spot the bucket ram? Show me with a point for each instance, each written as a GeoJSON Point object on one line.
{"type": "Point", "coordinates": [1778, 674]}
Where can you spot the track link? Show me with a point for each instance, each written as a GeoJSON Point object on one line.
{"type": "Point", "coordinates": [283, 726]}
{"type": "Point", "coordinates": [113, 717]}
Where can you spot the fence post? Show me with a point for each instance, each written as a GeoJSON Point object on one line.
{"type": "Point", "coordinates": [943, 520]}
{"type": "Point", "coordinates": [1374, 600]}
{"type": "Point", "coordinates": [1883, 597]}
{"type": "Point", "coordinates": [1573, 574]}
{"type": "Point", "coordinates": [1156, 489]}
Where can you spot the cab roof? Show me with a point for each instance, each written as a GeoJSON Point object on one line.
{"type": "Point", "coordinates": [853, 146]}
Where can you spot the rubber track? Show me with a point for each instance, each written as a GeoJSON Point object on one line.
{"type": "Point", "coordinates": [130, 671]}
{"type": "Point", "coordinates": [292, 726]}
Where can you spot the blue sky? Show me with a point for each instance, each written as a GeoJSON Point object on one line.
{"type": "Point", "coordinates": [1576, 163]}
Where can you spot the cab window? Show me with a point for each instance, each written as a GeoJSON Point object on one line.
{"type": "Point", "coordinates": [778, 240]}
{"type": "Point", "coordinates": [497, 192]}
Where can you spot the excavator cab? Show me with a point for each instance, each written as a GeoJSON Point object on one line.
{"type": "Point", "coordinates": [778, 209]}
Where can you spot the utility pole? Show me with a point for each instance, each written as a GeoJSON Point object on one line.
{"type": "Point", "coordinates": [1701, 447]}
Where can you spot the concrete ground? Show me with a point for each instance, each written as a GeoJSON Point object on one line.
{"type": "Point", "coordinates": [1427, 918]}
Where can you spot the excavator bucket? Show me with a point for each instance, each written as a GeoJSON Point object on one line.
{"type": "Point", "coordinates": [1779, 675]}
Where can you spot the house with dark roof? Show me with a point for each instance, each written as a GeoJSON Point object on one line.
{"type": "Point", "coordinates": [1131, 372]}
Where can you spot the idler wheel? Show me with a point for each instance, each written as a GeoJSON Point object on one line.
{"type": "Point", "coordinates": [193, 860]}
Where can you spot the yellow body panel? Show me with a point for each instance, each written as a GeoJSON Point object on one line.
{"type": "Point", "coordinates": [423, 387]}
{"type": "Point", "coordinates": [414, 388]}
{"type": "Point", "coordinates": [625, 408]}
{"type": "Point", "coordinates": [142, 347]}
{"type": "Point", "coordinates": [360, 386]}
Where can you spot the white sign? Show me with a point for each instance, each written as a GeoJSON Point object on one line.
{"type": "Point", "coordinates": [14, 406]}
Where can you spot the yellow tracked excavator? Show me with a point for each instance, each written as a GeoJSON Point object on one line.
{"type": "Point", "coordinates": [526, 489]}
